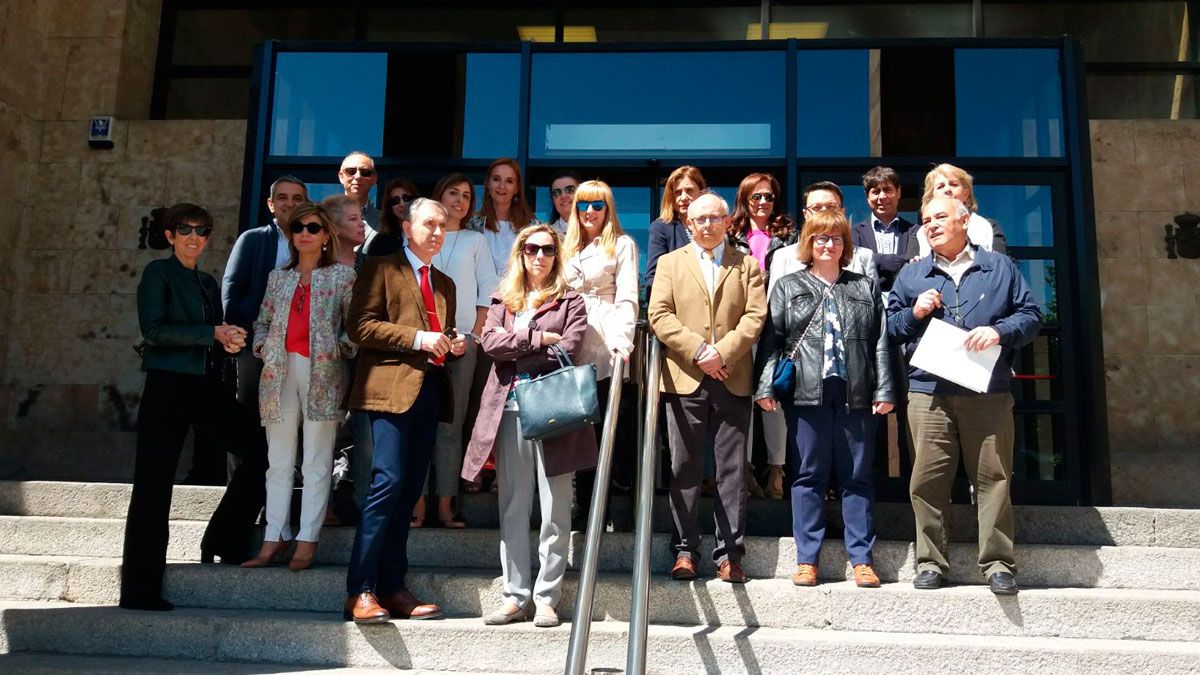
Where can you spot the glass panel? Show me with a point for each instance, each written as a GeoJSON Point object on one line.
{"type": "Point", "coordinates": [841, 126]}
{"type": "Point", "coordinates": [1042, 277]}
{"type": "Point", "coordinates": [1008, 103]}
{"type": "Point", "coordinates": [1038, 367]}
{"type": "Point", "coordinates": [652, 23]}
{"type": "Point", "coordinates": [1123, 96]}
{"type": "Point", "coordinates": [311, 116]}
{"type": "Point", "coordinates": [455, 23]}
{"type": "Point", "coordinates": [319, 191]}
{"type": "Point", "coordinates": [492, 105]}
{"type": "Point", "coordinates": [208, 99]}
{"type": "Point", "coordinates": [633, 212]}
{"type": "Point", "coordinates": [870, 19]}
{"type": "Point", "coordinates": [1023, 211]}
{"type": "Point", "coordinates": [854, 200]}
{"type": "Point", "coordinates": [1144, 30]}
{"type": "Point", "coordinates": [209, 37]}
{"type": "Point", "coordinates": [1038, 448]}
{"type": "Point", "coordinates": [632, 111]}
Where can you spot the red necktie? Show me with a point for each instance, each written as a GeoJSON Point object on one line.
{"type": "Point", "coordinates": [430, 307]}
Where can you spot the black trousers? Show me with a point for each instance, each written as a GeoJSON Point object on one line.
{"type": "Point", "coordinates": [173, 403]}
{"type": "Point", "coordinates": [625, 449]}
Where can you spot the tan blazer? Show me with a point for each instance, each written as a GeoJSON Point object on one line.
{"type": "Point", "coordinates": [385, 314]}
{"type": "Point", "coordinates": [679, 315]}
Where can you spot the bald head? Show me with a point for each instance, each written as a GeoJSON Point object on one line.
{"type": "Point", "coordinates": [944, 220]}
{"type": "Point", "coordinates": [708, 218]}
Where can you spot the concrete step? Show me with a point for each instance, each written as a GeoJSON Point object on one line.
{"type": "Point", "coordinates": [1098, 526]}
{"type": "Point", "coordinates": [59, 664]}
{"type": "Point", "coordinates": [775, 603]}
{"type": "Point", "coordinates": [466, 645]}
{"type": "Point", "coordinates": [1051, 565]}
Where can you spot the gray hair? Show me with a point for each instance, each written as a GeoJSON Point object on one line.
{"type": "Point", "coordinates": [337, 205]}
{"type": "Point", "coordinates": [960, 209]}
{"type": "Point", "coordinates": [425, 202]}
{"type": "Point", "coordinates": [710, 193]}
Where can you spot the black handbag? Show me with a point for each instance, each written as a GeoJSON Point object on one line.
{"type": "Point", "coordinates": [558, 402]}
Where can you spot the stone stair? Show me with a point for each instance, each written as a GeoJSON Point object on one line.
{"type": "Point", "coordinates": [1105, 590]}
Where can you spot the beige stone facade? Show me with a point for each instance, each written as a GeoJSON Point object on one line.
{"type": "Point", "coordinates": [69, 379]}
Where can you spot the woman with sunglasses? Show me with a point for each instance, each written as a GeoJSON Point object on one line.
{"type": "Point", "coordinates": [301, 337]}
{"type": "Point", "coordinates": [562, 194]}
{"type": "Point", "coordinates": [466, 259]}
{"type": "Point", "coordinates": [760, 228]}
{"type": "Point", "coordinates": [184, 342]}
{"type": "Point", "coordinates": [532, 310]}
{"type": "Point", "coordinates": [397, 195]}
{"type": "Point", "coordinates": [504, 211]}
{"type": "Point", "coordinates": [602, 266]}
{"type": "Point", "coordinates": [830, 321]}
{"type": "Point", "coordinates": [669, 231]}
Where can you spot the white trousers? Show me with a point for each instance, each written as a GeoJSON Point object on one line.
{"type": "Point", "coordinates": [316, 469]}
{"type": "Point", "coordinates": [520, 467]}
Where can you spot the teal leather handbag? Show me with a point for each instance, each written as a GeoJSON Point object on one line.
{"type": "Point", "coordinates": [558, 402]}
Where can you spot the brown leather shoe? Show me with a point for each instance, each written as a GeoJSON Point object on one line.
{"type": "Point", "coordinates": [805, 575]}
{"type": "Point", "coordinates": [405, 605]}
{"type": "Point", "coordinates": [364, 608]}
{"type": "Point", "coordinates": [684, 569]}
{"type": "Point", "coordinates": [865, 577]}
{"type": "Point", "coordinates": [732, 572]}
{"type": "Point", "coordinates": [774, 488]}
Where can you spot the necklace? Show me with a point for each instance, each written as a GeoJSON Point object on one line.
{"type": "Point", "coordinates": [444, 262]}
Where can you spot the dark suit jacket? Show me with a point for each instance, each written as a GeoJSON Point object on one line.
{"type": "Point", "coordinates": [664, 238]}
{"type": "Point", "coordinates": [386, 311]}
{"type": "Point", "coordinates": [888, 264]}
{"type": "Point", "coordinates": [171, 317]}
{"type": "Point", "coordinates": [245, 281]}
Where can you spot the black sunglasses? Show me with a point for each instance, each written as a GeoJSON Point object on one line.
{"type": "Point", "coordinates": [548, 250]}
{"type": "Point", "coordinates": [365, 173]}
{"type": "Point", "coordinates": [762, 197]}
{"type": "Point", "coordinates": [558, 192]}
{"type": "Point", "coordinates": [396, 201]}
{"type": "Point", "coordinates": [313, 228]}
{"type": "Point", "coordinates": [200, 230]}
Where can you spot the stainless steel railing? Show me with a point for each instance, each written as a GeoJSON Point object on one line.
{"type": "Point", "coordinates": [635, 662]}
{"type": "Point", "coordinates": [581, 624]}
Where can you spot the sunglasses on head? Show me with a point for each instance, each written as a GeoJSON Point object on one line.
{"type": "Point", "coordinates": [313, 228]}
{"type": "Point", "coordinates": [548, 250]}
{"type": "Point", "coordinates": [396, 201]}
{"type": "Point", "coordinates": [200, 230]}
{"type": "Point", "coordinates": [762, 197]}
{"type": "Point", "coordinates": [351, 170]}
{"type": "Point", "coordinates": [597, 205]}
{"type": "Point", "coordinates": [558, 192]}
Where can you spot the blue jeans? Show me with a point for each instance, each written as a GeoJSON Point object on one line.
{"type": "Point", "coordinates": [829, 437]}
{"type": "Point", "coordinates": [403, 445]}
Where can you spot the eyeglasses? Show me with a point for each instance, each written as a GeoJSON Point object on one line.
{"type": "Point", "coordinates": [558, 192]}
{"type": "Point", "coordinates": [313, 228]}
{"type": "Point", "coordinates": [762, 197]}
{"type": "Point", "coordinates": [709, 220]}
{"type": "Point", "coordinates": [351, 170]}
{"type": "Point", "coordinates": [597, 205]}
{"type": "Point", "coordinates": [200, 230]}
{"type": "Point", "coordinates": [396, 201]}
{"type": "Point", "coordinates": [822, 208]}
{"type": "Point", "coordinates": [826, 240]}
{"type": "Point", "coordinates": [548, 250]}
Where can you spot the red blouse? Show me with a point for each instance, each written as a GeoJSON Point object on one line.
{"type": "Point", "coordinates": [296, 340]}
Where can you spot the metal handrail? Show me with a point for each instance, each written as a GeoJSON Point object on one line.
{"type": "Point", "coordinates": [581, 624]}
{"type": "Point", "coordinates": [635, 662]}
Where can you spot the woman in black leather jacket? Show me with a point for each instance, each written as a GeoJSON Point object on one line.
{"type": "Point", "coordinates": [831, 323]}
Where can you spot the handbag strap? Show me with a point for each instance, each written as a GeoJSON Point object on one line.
{"type": "Point", "coordinates": [564, 359]}
{"type": "Point", "coordinates": [819, 312]}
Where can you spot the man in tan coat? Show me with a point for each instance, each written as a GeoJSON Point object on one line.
{"type": "Point", "coordinates": [707, 306]}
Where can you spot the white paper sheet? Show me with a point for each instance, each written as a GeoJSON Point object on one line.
{"type": "Point", "coordinates": [942, 353]}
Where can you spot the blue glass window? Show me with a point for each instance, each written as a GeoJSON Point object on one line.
{"type": "Point", "coordinates": [492, 105]}
{"type": "Point", "coordinates": [633, 211]}
{"type": "Point", "coordinates": [1042, 277]}
{"type": "Point", "coordinates": [857, 210]}
{"type": "Point", "coordinates": [634, 105]}
{"type": "Point", "coordinates": [1023, 211]}
{"type": "Point", "coordinates": [833, 115]}
{"type": "Point", "coordinates": [1008, 103]}
{"type": "Point", "coordinates": [328, 103]}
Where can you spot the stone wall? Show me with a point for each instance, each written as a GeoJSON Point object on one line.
{"type": "Point", "coordinates": [1145, 172]}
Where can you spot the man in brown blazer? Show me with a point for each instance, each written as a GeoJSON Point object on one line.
{"type": "Point", "coordinates": [707, 306]}
{"type": "Point", "coordinates": [401, 316]}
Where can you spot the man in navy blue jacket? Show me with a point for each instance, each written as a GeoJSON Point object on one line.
{"type": "Point", "coordinates": [983, 293]}
{"type": "Point", "coordinates": [891, 239]}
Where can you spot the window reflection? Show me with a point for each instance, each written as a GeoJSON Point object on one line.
{"type": "Point", "coordinates": [1008, 103]}
{"type": "Point", "coordinates": [492, 105]}
{"type": "Point", "coordinates": [634, 111]}
{"type": "Point", "coordinates": [833, 117]}
{"type": "Point", "coordinates": [1042, 277]}
{"type": "Point", "coordinates": [1023, 211]}
{"type": "Point", "coordinates": [1038, 448]}
{"type": "Point", "coordinates": [328, 103]}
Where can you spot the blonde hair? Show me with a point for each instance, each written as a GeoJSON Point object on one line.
{"type": "Point", "coordinates": [956, 173]}
{"type": "Point", "coordinates": [514, 287]}
{"type": "Point", "coordinates": [832, 223]}
{"type": "Point", "coordinates": [666, 211]}
{"type": "Point", "coordinates": [590, 191]}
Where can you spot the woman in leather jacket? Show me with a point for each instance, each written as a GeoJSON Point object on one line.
{"type": "Point", "coordinates": [831, 323]}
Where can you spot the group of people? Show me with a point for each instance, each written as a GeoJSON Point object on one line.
{"type": "Point", "coordinates": [344, 318]}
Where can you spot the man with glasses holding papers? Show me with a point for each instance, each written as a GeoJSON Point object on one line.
{"type": "Point", "coordinates": [985, 303]}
